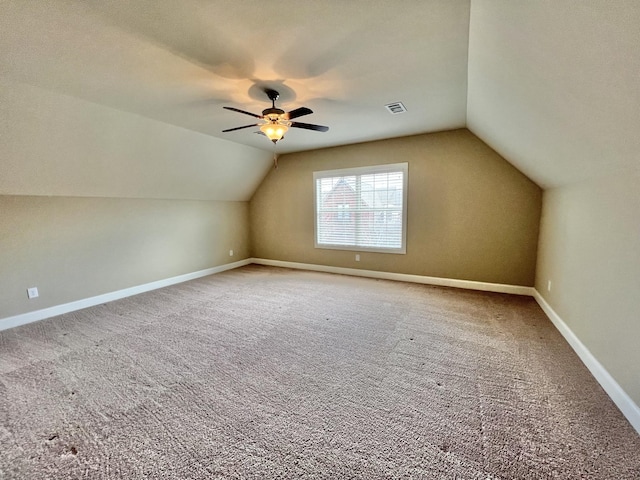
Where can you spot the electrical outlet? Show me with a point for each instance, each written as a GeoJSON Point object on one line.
{"type": "Point", "coordinates": [549, 286]}
{"type": "Point", "coordinates": [231, 253]}
{"type": "Point", "coordinates": [32, 292]}
{"type": "Point", "coordinates": [357, 257]}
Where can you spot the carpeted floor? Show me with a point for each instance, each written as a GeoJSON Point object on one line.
{"type": "Point", "coordinates": [271, 373]}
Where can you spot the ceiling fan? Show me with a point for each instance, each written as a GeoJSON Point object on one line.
{"type": "Point", "coordinates": [277, 121]}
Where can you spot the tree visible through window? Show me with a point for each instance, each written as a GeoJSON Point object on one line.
{"type": "Point", "coordinates": [362, 208]}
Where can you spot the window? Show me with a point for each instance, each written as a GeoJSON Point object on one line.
{"type": "Point", "coordinates": [362, 208]}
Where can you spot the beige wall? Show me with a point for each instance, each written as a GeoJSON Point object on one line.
{"type": "Point", "coordinates": [590, 250]}
{"type": "Point", "coordinates": [72, 248]}
{"type": "Point", "coordinates": [82, 189]}
{"type": "Point", "coordinates": [471, 215]}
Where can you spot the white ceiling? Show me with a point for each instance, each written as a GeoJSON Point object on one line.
{"type": "Point", "coordinates": [552, 85]}
{"type": "Point", "coordinates": [180, 62]}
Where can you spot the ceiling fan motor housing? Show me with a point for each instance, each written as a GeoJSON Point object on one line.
{"type": "Point", "coordinates": [268, 112]}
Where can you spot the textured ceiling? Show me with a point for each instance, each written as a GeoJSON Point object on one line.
{"type": "Point", "coordinates": [552, 85]}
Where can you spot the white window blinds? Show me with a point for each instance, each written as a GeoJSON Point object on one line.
{"type": "Point", "coordinates": [362, 208]}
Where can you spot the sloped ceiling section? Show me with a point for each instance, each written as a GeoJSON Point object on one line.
{"type": "Point", "coordinates": [554, 86]}
{"type": "Point", "coordinates": [53, 144]}
{"type": "Point", "coordinates": [124, 98]}
{"type": "Point", "coordinates": [180, 62]}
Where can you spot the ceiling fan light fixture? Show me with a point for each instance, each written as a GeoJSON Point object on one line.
{"type": "Point", "coordinates": [277, 121]}
{"type": "Point", "coordinates": [274, 131]}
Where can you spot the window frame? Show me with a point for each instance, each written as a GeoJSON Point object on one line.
{"type": "Point", "coordinates": [359, 171]}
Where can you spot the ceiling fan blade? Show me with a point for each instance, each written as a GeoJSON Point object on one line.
{"type": "Point", "coordinates": [240, 128]}
{"type": "Point", "coordinates": [243, 111]}
{"type": "Point", "coordinates": [298, 112]}
{"type": "Point", "coordinates": [309, 126]}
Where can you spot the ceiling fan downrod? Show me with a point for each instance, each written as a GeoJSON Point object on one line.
{"type": "Point", "coordinates": [268, 112]}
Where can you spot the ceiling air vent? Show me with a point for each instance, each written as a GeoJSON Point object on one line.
{"type": "Point", "coordinates": [396, 108]}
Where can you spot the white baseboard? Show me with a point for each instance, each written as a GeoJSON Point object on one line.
{"type": "Point", "coordinates": [36, 315]}
{"type": "Point", "coordinates": [626, 405]}
{"type": "Point", "coordinates": [402, 277]}
{"type": "Point", "coordinates": [24, 318]}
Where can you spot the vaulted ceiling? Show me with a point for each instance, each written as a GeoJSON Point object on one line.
{"type": "Point", "coordinates": [551, 85]}
{"type": "Point", "coordinates": [554, 85]}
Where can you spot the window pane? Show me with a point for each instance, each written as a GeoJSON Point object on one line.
{"type": "Point", "coordinates": [364, 210]}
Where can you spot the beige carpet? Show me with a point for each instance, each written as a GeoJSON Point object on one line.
{"type": "Point", "coordinates": [270, 373]}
